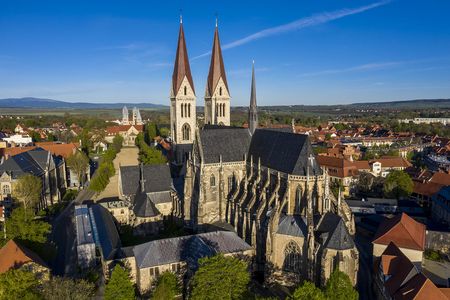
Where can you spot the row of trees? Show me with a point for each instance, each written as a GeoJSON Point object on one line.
{"type": "Point", "coordinates": [106, 168]}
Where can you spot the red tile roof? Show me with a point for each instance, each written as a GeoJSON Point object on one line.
{"type": "Point", "coordinates": [419, 287]}
{"type": "Point", "coordinates": [403, 230]}
{"type": "Point", "coordinates": [64, 150]}
{"type": "Point", "coordinates": [393, 162]}
{"type": "Point", "coordinates": [17, 150]}
{"type": "Point", "coordinates": [426, 188]}
{"type": "Point", "coordinates": [14, 255]}
{"type": "Point", "coordinates": [441, 178]}
{"type": "Point", "coordinates": [113, 130]}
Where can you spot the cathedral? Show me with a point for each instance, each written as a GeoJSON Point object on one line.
{"type": "Point", "coordinates": [264, 184]}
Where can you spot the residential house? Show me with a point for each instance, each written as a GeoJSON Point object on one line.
{"type": "Point", "coordinates": [406, 233]}
{"type": "Point", "coordinates": [16, 256]}
{"type": "Point", "coordinates": [40, 163]}
{"type": "Point", "coordinates": [440, 206]}
{"type": "Point", "coordinates": [128, 132]}
{"type": "Point", "coordinates": [396, 277]}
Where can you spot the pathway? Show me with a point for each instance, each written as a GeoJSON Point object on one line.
{"type": "Point", "coordinates": [128, 156]}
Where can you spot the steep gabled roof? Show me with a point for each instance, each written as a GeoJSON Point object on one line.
{"type": "Point", "coordinates": [13, 255]}
{"type": "Point", "coordinates": [216, 67]}
{"type": "Point", "coordinates": [403, 230]}
{"type": "Point", "coordinates": [230, 143]}
{"type": "Point", "coordinates": [283, 151]}
{"type": "Point", "coordinates": [397, 266]}
{"type": "Point", "coordinates": [334, 233]}
{"type": "Point", "coordinates": [181, 68]}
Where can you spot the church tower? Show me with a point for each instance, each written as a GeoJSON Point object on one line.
{"type": "Point", "coordinates": [253, 111]}
{"type": "Point", "coordinates": [182, 96]}
{"type": "Point", "coordinates": [217, 95]}
{"type": "Point", "coordinates": [125, 120]}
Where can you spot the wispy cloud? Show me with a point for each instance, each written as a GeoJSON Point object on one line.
{"type": "Point", "coordinates": [299, 24]}
{"type": "Point", "coordinates": [364, 67]}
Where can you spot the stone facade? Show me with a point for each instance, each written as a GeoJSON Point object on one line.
{"type": "Point", "coordinates": [277, 212]}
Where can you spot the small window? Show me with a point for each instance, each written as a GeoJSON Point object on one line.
{"type": "Point", "coordinates": [174, 267]}
{"type": "Point", "coordinates": [212, 180]}
{"type": "Point", "coordinates": [151, 272]}
{"type": "Point", "coordinates": [220, 91]}
{"type": "Point", "coordinates": [156, 271]}
{"type": "Point", "coordinates": [185, 90]}
{"type": "Point", "coordinates": [182, 110]}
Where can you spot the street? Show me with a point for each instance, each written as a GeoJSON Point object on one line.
{"type": "Point", "coordinates": [364, 284]}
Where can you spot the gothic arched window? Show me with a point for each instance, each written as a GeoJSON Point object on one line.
{"type": "Point", "coordinates": [182, 110]}
{"type": "Point", "coordinates": [185, 90]}
{"type": "Point", "coordinates": [220, 91]}
{"type": "Point", "coordinates": [186, 130]}
{"type": "Point", "coordinates": [223, 110]}
{"type": "Point", "coordinates": [292, 257]}
{"type": "Point", "coordinates": [189, 110]}
{"type": "Point", "coordinates": [212, 180]}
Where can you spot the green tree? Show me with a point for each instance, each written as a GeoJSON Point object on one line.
{"type": "Point", "coordinates": [18, 284]}
{"type": "Point", "coordinates": [27, 190]}
{"type": "Point", "coordinates": [339, 287]}
{"type": "Point", "coordinates": [59, 288]}
{"type": "Point", "coordinates": [35, 136]}
{"type": "Point", "coordinates": [117, 143]}
{"type": "Point", "coordinates": [307, 291]}
{"type": "Point", "coordinates": [85, 140]}
{"type": "Point", "coordinates": [220, 277]}
{"type": "Point", "coordinates": [167, 287]}
{"type": "Point", "coordinates": [151, 131]}
{"type": "Point", "coordinates": [23, 227]}
{"type": "Point", "coordinates": [78, 163]}
{"type": "Point", "coordinates": [119, 286]}
{"type": "Point", "coordinates": [398, 184]}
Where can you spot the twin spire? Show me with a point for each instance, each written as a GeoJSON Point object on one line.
{"type": "Point", "coordinates": [182, 67]}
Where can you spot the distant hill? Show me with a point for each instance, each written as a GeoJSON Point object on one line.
{"type": "Point", "coordinates": [40, 103]}
{"type": "Point", "coordinates": [418, 103]}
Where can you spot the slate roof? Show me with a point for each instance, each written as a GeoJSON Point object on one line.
{"type": "Point", "coordinates": [292, 225]}
{"type": "Point", "coordinates": [283, 151]}
{"type": "Point", "coordinates": [334, 233]}
{"type": "Point", "coordinates": [31, 162]}
{"type": "Point", "coordinates": [106, 236]}
{"type": "Point", "coordinates": [229, 142]}
{"type": "Point", "coordinates": [187, 248]}
{"type": "Point", "coordinates": [144, 207]}
{"type": "Point", "coordinates": [157, 179]}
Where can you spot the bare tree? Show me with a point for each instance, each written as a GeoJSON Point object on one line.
{"type": "Point", "coordinates": [78, 163]}
{"type": "Point", "coordinates": [28, 190]}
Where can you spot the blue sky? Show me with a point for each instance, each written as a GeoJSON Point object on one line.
{"type": "Point", "coordinates": [306, 52]}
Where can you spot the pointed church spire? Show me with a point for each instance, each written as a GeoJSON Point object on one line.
{"type": "Point", "coordinates": [216, 68]}
{"type": "Point", "coordinates": [253, 111]}
{"type": "Point", "coordinates": [181, 68]}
